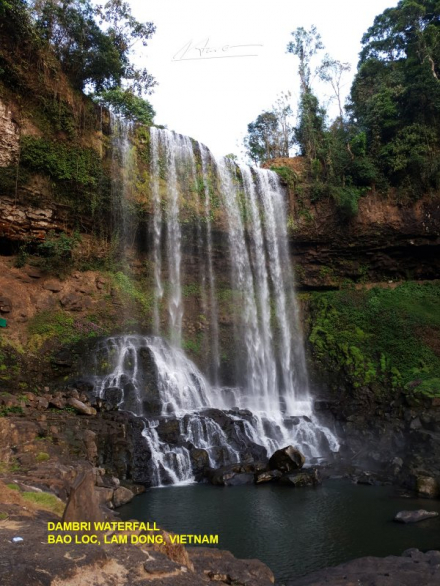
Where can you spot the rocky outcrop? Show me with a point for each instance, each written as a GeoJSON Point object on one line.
{"type": "Point", "coordinates": [26, 222]}
{"type": "Point", "coordinates": [9, 137]}
{"type": "Point", "coordinates": [386, 240]}
{"type": "Point", "coordinates": [411, 569]}
{"type": "Point", "coordinates": [105, 559]}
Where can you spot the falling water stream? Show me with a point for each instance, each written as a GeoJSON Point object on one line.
{"type": "Point", "coordinates": [269, 405]}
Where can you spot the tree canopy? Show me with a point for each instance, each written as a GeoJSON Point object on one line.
{"type": "Point", "coordinates": [387, 135]}
{"type": "Point", "coordinates": [94, 44]}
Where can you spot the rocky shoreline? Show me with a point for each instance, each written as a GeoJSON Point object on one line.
{"type": "Point", "coordinates": [60, 436]}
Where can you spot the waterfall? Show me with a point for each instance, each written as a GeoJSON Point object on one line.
{"type": "Point", "coordinates": [192, 418]}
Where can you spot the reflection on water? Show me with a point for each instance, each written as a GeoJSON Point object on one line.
{"type": "Point", "coordinates": [294, 531]}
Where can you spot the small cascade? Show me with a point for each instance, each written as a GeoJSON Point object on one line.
{"type": "Point", "coordinates": [192, 421]}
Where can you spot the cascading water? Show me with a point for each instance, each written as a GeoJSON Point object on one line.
{"type": "Point", "coordinates": [188, 419]}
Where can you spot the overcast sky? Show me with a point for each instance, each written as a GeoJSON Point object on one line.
{"type": "Point", "coordinates": [213, 99]}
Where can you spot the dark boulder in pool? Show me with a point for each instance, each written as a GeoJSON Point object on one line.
{"type": "Point", "coordinates": [268, 476]}
{"type": "Point", "coordinates": [234, 474]}
{"type": "Point", "coordinates": [303, 478]}
{"type": "Point", "coordinates": [286, 460]}
{"type": "Point", "coordinates": [414, 516]}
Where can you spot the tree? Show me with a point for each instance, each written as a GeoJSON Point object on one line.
{"type": "Point", "coordinates": [309, 133]}
{"type": "Point", "coordinates": [127, 105]}
{"type": "Point", "coordinates": [94, 44]}
{"type": "Point", "coordinates": [270, 135]}
{"type": "Point", "coordinates": [333, 72]}
{"type": "Point", "coordinates": [396, 94]}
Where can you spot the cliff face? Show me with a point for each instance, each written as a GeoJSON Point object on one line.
{"type": "Point", "coordinates": [386, 240]}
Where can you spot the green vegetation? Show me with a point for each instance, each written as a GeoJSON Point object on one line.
{"type": "Point", "coordinates": [93, 43]}
{"type": "Point", "coordinates": [44, 500]}
{"type": "Point", "coordinates": [42, 457]}
{"type": "Point", "coordinates": [387, 137]}
{"type": "Point", "coordinates": [193, 345]}
{"type": "Point", "coordinates": [384, 336]}
{"type": "Point", "coordinates": [57, 250]}
{"type": "Point", "coordinates": [133, 291]}
{"type": "Point", "coordinates": [128, 105]}
{"type": "Point", "coordinates": [62, 162]}
{"type": "Point", "coordinates": [4, 411]}
{"type": "Point", "coordinates": [271, 134]}
{"type": "Point", "coordinates": [287, 175]}
{"type": "Point", "coordinates": [60, 325]}
{"type": "Point", "coordinates": [13, 486]}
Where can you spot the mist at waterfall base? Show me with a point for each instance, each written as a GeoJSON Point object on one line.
{"type": "Point", "coordinates": [268, 406]}
{"type": "Point", "coordinates": [293, 531]}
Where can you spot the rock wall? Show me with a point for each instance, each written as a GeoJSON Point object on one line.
{"type": "Point", "coordinates": [9, 137]}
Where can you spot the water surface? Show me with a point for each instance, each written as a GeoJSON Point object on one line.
{"type": "Point", "coordinates": [293, 531]}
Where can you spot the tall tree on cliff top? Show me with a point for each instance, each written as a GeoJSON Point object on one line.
{"type": "Point", "coordinates": [309, 133]}
{"type": "Point", "coordinates": [270, 135]}
{"type": "Point", "coordinates": [396, 94]}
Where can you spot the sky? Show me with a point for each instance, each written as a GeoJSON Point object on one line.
{"type": "Point", "coordinates": [221, 63]}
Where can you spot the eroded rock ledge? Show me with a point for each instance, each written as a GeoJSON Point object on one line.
{"type": "Point", "coordinates": [413, 568]}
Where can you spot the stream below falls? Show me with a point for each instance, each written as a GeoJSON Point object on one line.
{"type": "Point", "coordinates": [293, 531]}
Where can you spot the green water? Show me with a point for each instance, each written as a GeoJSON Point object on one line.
{"type": "Point", "coordinates": [294, 531]}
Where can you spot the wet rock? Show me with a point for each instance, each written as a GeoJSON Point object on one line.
{"type": "Point", "coordinates": [151, 397]}
{"type": "Point", "coordinates": [122, 496]}
{"type": "Point", "coordinates": [268, 476]}
{"type": "Point", "coordinates": [112, 397]}
{"type": "Point", "coordinates": [169, 430]}
{"type": "Point", "coordinates": [199, 459]}
{"type": "Point", "coordinates": [427, 486]}
{"type": "Point", "coordinates": [239, 479]}
{"type": "Point", "coordinates": [286, 460]}
{"type": "Point", "coordinates": [414, 516]}
{"type": "Point", "coordinates": [303, 478]}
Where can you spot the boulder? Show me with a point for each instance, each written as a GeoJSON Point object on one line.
{"type": "Point", "coordinates": [427, 486]}
{"type": "Point", "coordinates": [414, 516]}
{"type": "Point", "coordinates": [54, 286]}
{"type": "Point", "coordinates": [83, 504]}
{"type": "Point", "coordinates": [287, 460]}
{"type": "Point", "coordinates": [303, 478]}
{"type": "Point", "coordinates": [412, 568]}
{"type": "Point", "coordinates": [112, 397]}
{"type": "Point", "coordinates": [73, 302]}
{"type": "Point", "coordinates": [89, 438]}
{"type": "Point", "coordinates": [199, 459]}
{"type": "Point", "coordinates": [81, 407]}
{"type": "Point", "coordinates": [268, 476]}
{"type": "Point", "coordinates": [122, 496]}
{"type": "Point", "coordinates": [105, 495]}
{"type": "Point", "coordinates": [239, 479]}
